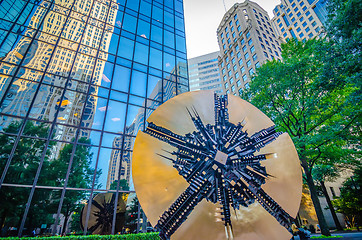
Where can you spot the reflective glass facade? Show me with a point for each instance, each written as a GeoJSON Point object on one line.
{"type": "Point", "coordinates": [78, 79]}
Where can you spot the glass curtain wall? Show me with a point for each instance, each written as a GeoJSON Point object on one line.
{"type": "Point", "coordinates": [78, 79]}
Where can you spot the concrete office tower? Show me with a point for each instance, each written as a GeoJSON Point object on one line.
{"type": "Point", "coordinates": [246, 40]}
{"type": "Point", "coordinates": [204, 73]}
{"type": "Point", "coordinates": [302, 19]}
{"type": "Point", "coordinates": [77, 80]}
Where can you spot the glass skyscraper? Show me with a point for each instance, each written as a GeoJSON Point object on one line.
{"type": "Point", "coordinates": [78, 79]}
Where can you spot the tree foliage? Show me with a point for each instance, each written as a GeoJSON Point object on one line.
{"type": "Point", "coordinates": [303, 101]}
{"type": "Point", "coordinates": [23, 168]}
{"type": "Point", "coordinates": [350, 200]}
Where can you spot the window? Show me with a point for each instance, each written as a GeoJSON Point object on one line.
{"type": "Point", "coordinates": [242, 69]}
{"type": "Point", "coordinates": [232, 28]}
{"type": "Point", "coordinates": [244, 48]}
{"type": "Point", "coordinates": [298, 14]}
{"type": "Point", "coordinates": [260, 39]}
{"type": "Point", "coordinates": [278, 21]}
{"type": "Point", "coordinates": [222, 64]}
{"type": "Point", "coordinates": [228, 66]}
{"type": "Point", "coordinates": [255, 57]}
{"type": "Point", "coordinates": [293, 19]}
{"type": "Point", "coordinates": [301, 19]}
{"type": "Point", "coordinates": [252, 49]}
{"type": "Point", "coordinates": [224, 78]}
{"type": "Point", "coordinates": [237, 75]}
{"type": "Point", "coordinates": [229, 73]}
{"type": "Point", "coordinates": [250, 41]}
{"type": "Point", "coordinates": [238, 55]}
{"type": "Point", "coordinates": [240, 62]}
{"type": "Point", "coordinates": [227, 35]}
{"type": "Point", "coordinates": [228, 92]}
{"type": "Point", "coordinates": [238, 83]}
{"type": "Point", "coordinates": [285, 34]}
{"type": "Point", "coordinates": [231, 80]}
{"type": "Point", "coordinates": [237, 22]}
{"type": "Point", "coordinates": [248, 35]}
{"type": "Point", "coordinates": [223, 71]}
{"type": "Point", "coordinates": [226, 85]}
{"type": "Point", "coordinates": [304, 8]}
{"type": "Point", "coordinates": [301, 3]}
{"type": "Point", "coordinates": [293, 5]}
{"type": "Point", "coordinates": [233, 88]}
{"type": "Point", "coordinates": [267, 43]}
{"type": "Point", "coordinates": [237, 48]}
{"type": "Point", "coordinates": [282, 29]}
{"type": "Point", "coordinates": [298, 29]}
{"type": "Point", "coordinates": [242, 41]}
{"type": "Point", "coordinates": [246, 55]}
{"type": "Point", "coordinates": [304, 24]}
{"type": "Point", "coordinates": [310, 18]}
{"type": "Point", "coordinates": [233, 61]}
{"type": "Point", "coordinates": [248, 63]}
{"type": "Point", "coordinates": [310, 35]}
{"type": "Point", "coordinates": [235, 16]}
{"type": "Point", "coordinates": [296, 9]}
{"type": "Point", "coordinates": [307, 29]}
{"type": "Point", "coordinates": [257, 64]}
{"type": "Point", "coordinates": [235, 68]}
{"type": "Point", "coordinates": [290, 15]}
{"type": "Point", "coordinates": [239, 28]}
{"type": "Point", "coordinates": [245, 77]}
{"type": "Point", "coordinates": [307, 13]}
{"type": "Point", "coordinates": [227, 59]}
{"type": "Point", "coordinates": [228, 40]}
{"type": "Point", "coordinates": [251, 71]}
{"type": "Point", "coordinates": [231, 23]}
{"type": "Point", "coordinates": [301, 35]}
{"type": "Point", "coordinates": [231, 53]}
{"type": "Point", "coordinates": [313, 24]}
{"type": "Point", "coordinates": [288, 10]}
{"type": "Point", "coordinates": [295, 24]}
{"type": "Point", "coordinates": [224, 46]}
{"type": "Point", "coordinates": [246, 85]}
{"type": "Point", "coordinates": [233, 34]}
{"type": "Point", "coordinates": [317, 29]}
{"type": "Point", "coordinates": [226, 29]}
{"type": "Point", "coordinates": [276, 53]}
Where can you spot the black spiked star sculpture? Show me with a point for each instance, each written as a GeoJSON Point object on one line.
{"type": "Point", "coordinates": [221, 165]}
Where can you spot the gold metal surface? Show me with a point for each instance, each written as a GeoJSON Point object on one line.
{"type": "Point", "coordinates": [158, 184]}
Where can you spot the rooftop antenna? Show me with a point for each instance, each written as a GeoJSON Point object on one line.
{"type": "Point", "coordinates": [223, 1]}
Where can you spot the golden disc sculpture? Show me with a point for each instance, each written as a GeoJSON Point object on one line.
{"type": "Point", "coordinates": [214, 167]}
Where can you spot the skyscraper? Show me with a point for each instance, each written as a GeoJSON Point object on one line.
{"type": "Point", "coordinates": [246, 39]}
{"type": "Point", "coordinates": [301, 19]}
{"type": "Point", "coordinates": [204, 73]}
{"type": "Point", "coordinates": [77, 81]}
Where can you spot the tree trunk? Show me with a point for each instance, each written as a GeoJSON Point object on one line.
{"type": "Point", "coordinates": [331, 208]}
{"type": "Point", "coordinates": [2, 219]}
{"type": "Point", "coordinates": [317, 205]}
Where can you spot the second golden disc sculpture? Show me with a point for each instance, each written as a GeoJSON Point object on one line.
{"type": "Point", "coordinates": [214, 167]}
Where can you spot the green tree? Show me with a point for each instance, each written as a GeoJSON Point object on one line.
{"type": "Point", "coordinates": [317, 115]}
{"type": "Point", "coordinates": [22, 169]}
{"type": "Point", "coordinates": [350, 200]}
{"type": "Point", "coordinates": [81, 176]}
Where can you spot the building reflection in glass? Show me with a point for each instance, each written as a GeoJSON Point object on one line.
{"type": "Point", "coordinates": [78, 78]}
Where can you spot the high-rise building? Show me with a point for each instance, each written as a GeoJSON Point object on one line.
{"type": "Point", "coordinates": [204, 73]}
{"type": "Point", "coordinates": [78, 78]}
{"type": "Point", "coordinates": [302, 19]}
{"type": "Point", "coordinates": [246, 39]}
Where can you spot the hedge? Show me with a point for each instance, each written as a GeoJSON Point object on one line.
{"type": "Point", "coordinates": [140, 236]}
